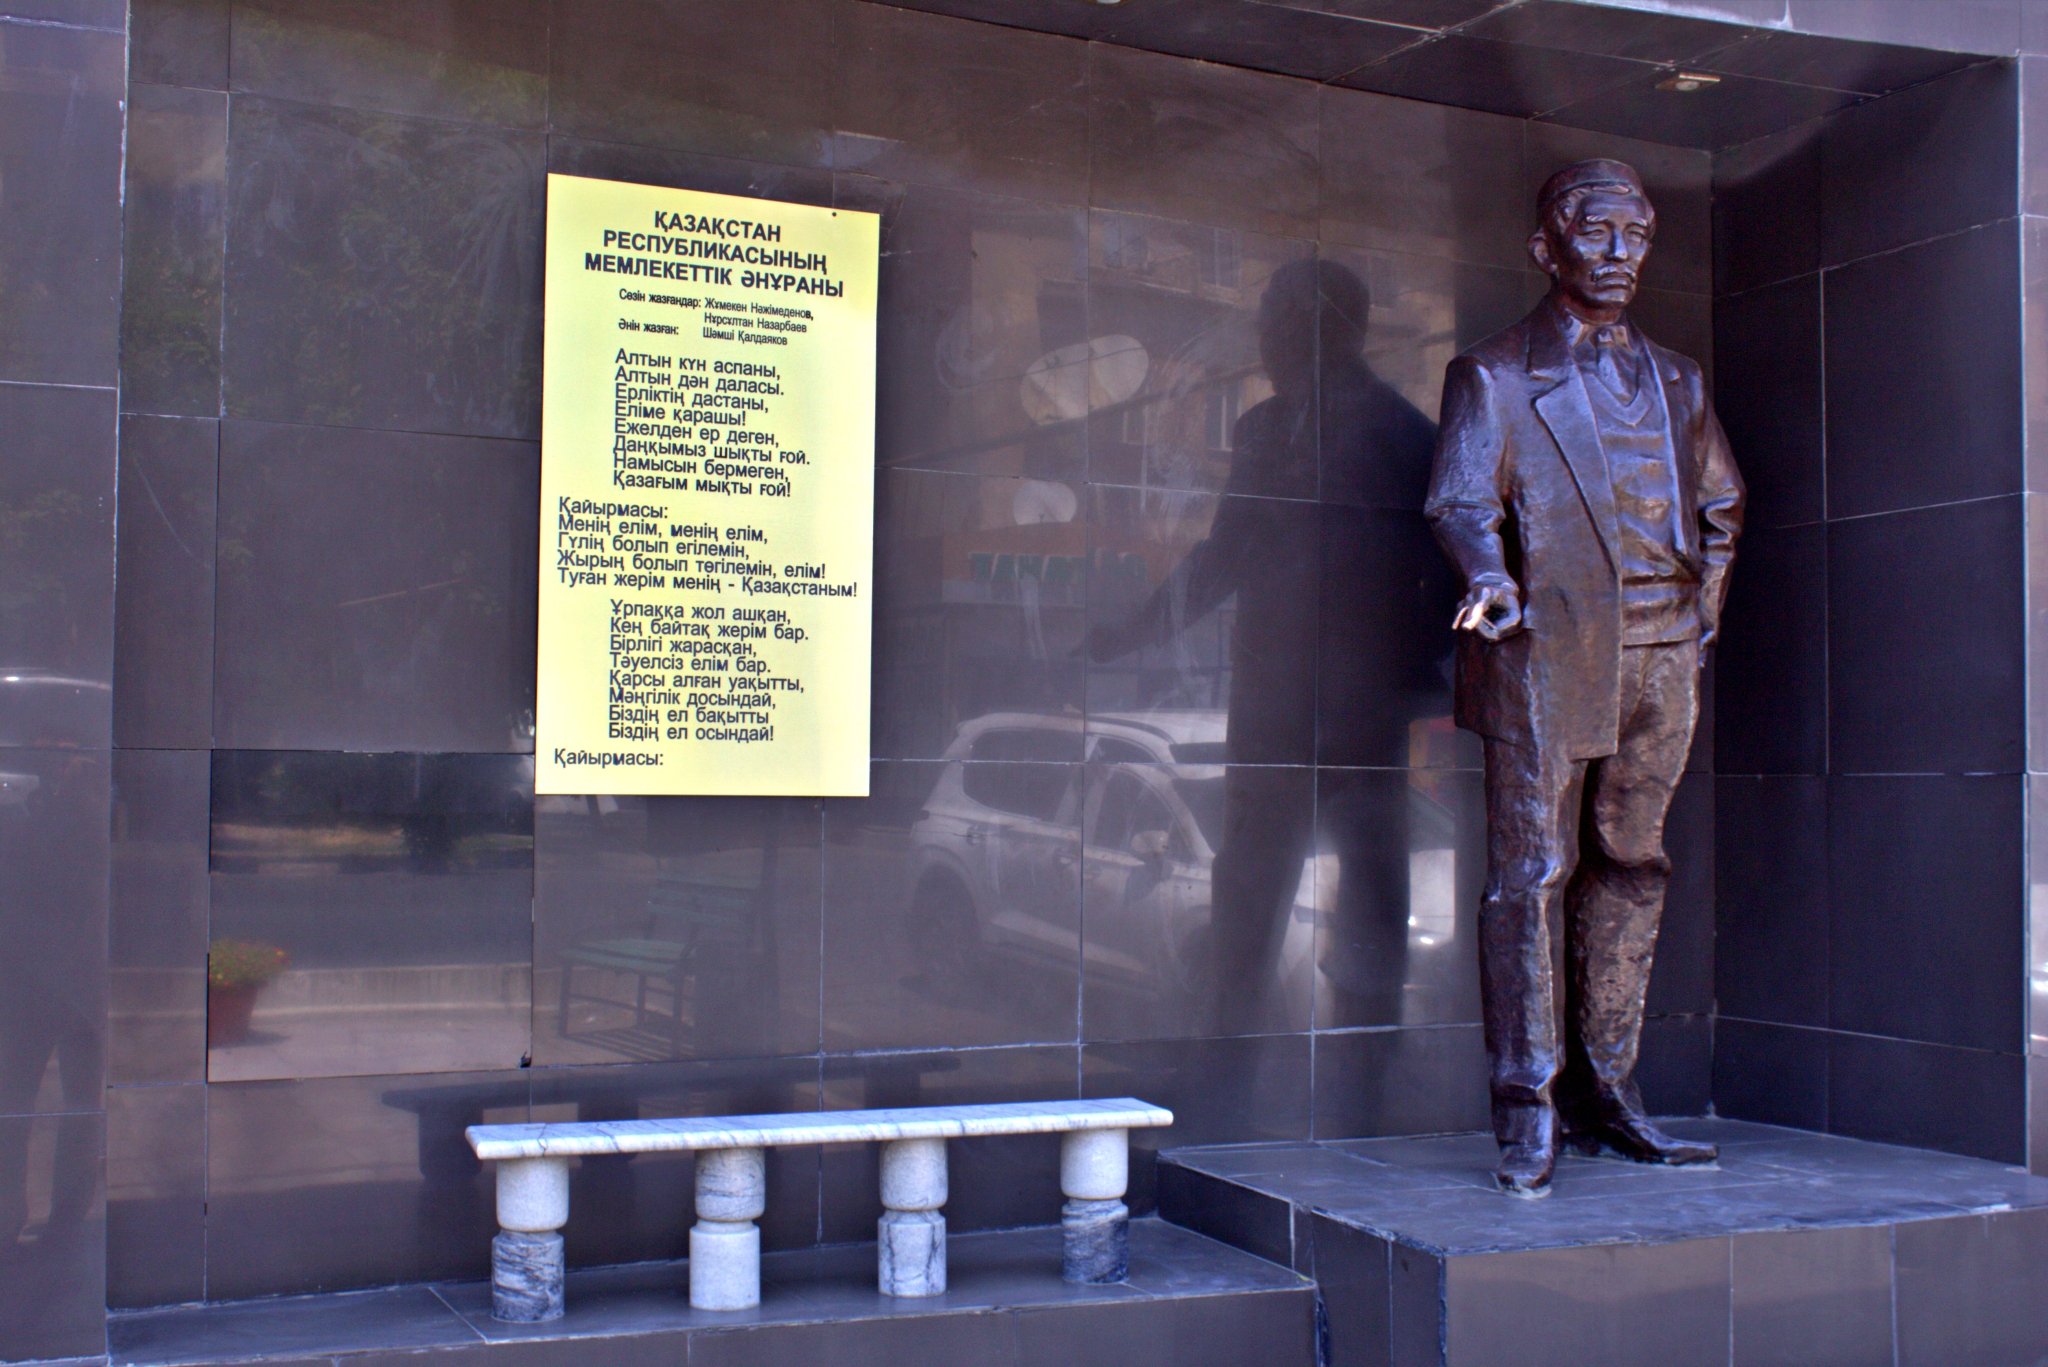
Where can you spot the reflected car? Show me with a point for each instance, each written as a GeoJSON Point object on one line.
{"type": "Point", "coordinates": [1005, 854]}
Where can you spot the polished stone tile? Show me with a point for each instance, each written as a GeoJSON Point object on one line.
{"type": "Point", "coordinates": [1767, 210]}
{"type": "Point", "coordinates": [163, 597]}
{"type": "Point", "coordinates": [640, 165]}
{"type": "Point", "coordinates": [53, 919]}
{"type": "Point", "coordinates": [1233, 1213]}
{"type": "Point", "coordinates": [57, 620]}
{"type": "Point", "coordinates": [1207, 143]}
{"type": "Point", "coordinates": [1224, 1331]}
{"type": "Point", "coordinates": [383, 271]}
{"type": "Point", "coordinates": [399, 889]}
{"type": "Point", "coordinates": [1931, 160]}
{"type": "Point", "coordinates": [675, 927]}
{"type": "Point", "coordinates": [1771, 663]}
{"type": "Point", "coordinates": [997, 1182]}
{"type": "Point", "coordinates": [1925, 1095]}
{"type": "Point", "coordinates": [1963, 26]}
{"type": "Point", "coordinates": [157, 917]}
{"type": "Point", "coordinates": [398, 1317]}
{"type": "Point", "coordinates": [979, 603]}
{"type": "Point", "coordinates": [1770, 949]}
{"type": "Point", "coordinates": [1384, 645]}
{"type": "Point", "coordinates": [983, 298]}
{"type": "Point", "coordinates": [1813, 1298]}
{"type": "Point", "coordinates": [1401, 859]}
{"type": "Point", "coordinates": [1353, 1270]}
{"type": "Point", "coordinates": [1676, 1068]}
{"type": "Point", "coordinates": [1834, 63]}
{"type": "Point", "coordinates": [483, 61]}
{"type": "Point", "coordinates": [100, 14]}
{"type": "Point", "coordinates": [156, 1195]}
{"type": "Point", "coordinates": [944, 101]}
{"type": "Point", "coordinates": [1499, 78]}
{"type": "Point", "coordinates": [61, 92]}
{"type": "Point", "coordinates": [633, 78]}
{"type": "Point", "coordinates": [1413, 1080]}
{"type": "Point", "coordinates": [376, 592]}
{"type": "Point", "coordinates": [634, 1208]}
{"type": "Point", "coordinates": [1682, 981]}
{"type": "Point", "coordinates": [1768, 395]}
{"type": "Point", "coordinates": [1193, 338]}
{"type": "Point", "coordinates": [1925, 663]}
{"type": "Point", "coordinates": [327, 1184]}
{"type": "Point", "coordinates": [1407, 176]}
{"type": "Point", "coordinates": [175, 221]}
{"type": "Point", "coordinates": [1168, 948]}
{"type": "Point", "coordinates": [866, 1343]}
{"type": "Point", "coordinates": [179, 42]}
{"type": "Point", "coordinates": [53, 1257]}
{"type": "Point", "coordinates": [1733, 110]}
{"type": "Point", "coordinates": [1641, 34]}
{"type": "Point", "coordinates": [1668, 1302]}
{"type": "Point", "coordinates": [952, 899]}
{"type": "Point", "coordinates": [1679, 181]}
{"type": "Point", "coordinates": [1908, 852]}
{"type": "Point", "coordinates": [1202, 621]}
{"type": "Point", "coordinates": [1967, 1293]}
{"type": "Point", "coordinates": [1772, 1073]}
{"type": "Point", "coordinates": [1317, 41]}
{"type": "Point", "coordinates": [1377, 423]}
{"type": "Point", "coordinates": [1940, 419]}
{"type": "Point", "coordinates": [1221, 1091]}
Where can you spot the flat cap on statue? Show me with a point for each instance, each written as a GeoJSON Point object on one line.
{"type": "Point", "coordinates": [1580, 175]}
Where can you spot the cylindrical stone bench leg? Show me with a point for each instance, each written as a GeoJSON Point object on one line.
{"type": "Point", "coordinates": [526, 1257]}
{"type": "Point", "coordinates": [911, 1235]}
{"type": "Point", "coordinates": [725, 1243]}
{"type": "Point", "coordinates": [1095, 1168]}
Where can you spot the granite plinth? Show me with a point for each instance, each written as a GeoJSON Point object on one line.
{"type": "Point", "coordinates": [1796, 1248]}
{"type": "Point", "coordinates": [1189, 1301]}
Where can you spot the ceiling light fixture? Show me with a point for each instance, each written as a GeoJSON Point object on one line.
{"type": "Point", "coordinates": [1686, 82]}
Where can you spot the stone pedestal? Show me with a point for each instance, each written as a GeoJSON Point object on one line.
{"type": "Point", "coordinates": [725, 1243]}
{"type": "Point", "coordinates": [1094, 1173]}
{"type": "Point", "coordinates": [911, 1257]}
{"type": "Point", "coordinates": [526, 1256]}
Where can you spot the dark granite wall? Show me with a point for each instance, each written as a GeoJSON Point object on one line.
{"type": "Point", "coordinates": [60, 282]}
{"type": "Point", "coordinates": [328, 519]}
{"type": "Point", "coordinates": [322, 645]}
{"type": "Point", "coordinates": [1872, 732]}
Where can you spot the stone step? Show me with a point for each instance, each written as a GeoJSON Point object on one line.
{"type": "Point", "coordinates": [1190, 1302]}
{"type": "Point", "coordinates": [1796, 1248]}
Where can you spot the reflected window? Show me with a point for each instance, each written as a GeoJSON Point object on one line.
{"type": "Point", "coordinates": [1129, 809]}
{"type": "Point", "coordinates": [1038, 789]}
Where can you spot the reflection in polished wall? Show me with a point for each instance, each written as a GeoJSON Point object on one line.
{"type": "Point", "coordinates": [370, 914]}
{"type": "Point", "coordinates": [1230, 866]}
{"type": "Point", "coordinates": [674, 928]}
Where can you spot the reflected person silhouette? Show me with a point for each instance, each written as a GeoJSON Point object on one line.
{"type": "Point", "coordinates": [1334, 427]}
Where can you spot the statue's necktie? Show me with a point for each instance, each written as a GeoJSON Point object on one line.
{"type": "Point", "coordinates": [1608, 344]}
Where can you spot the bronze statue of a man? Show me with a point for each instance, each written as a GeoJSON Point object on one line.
{"type": "Point", "coordinates": [1584, 489]}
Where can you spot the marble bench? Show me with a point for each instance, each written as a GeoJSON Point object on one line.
{"type": "Point", "coordinates": [725, 1243]}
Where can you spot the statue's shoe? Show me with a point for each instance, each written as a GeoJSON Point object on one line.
{"type": "Point", "coordinates": [1630, 1134]}
{"type": "Point", "coordinates": [1525, 1169]}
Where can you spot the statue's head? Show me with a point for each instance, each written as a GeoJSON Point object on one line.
{"type": "Point", "coordinates": [1310, 309]}
{"type": "Point", "coordinates": [1595, 226]}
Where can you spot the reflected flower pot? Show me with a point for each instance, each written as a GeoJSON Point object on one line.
{"type": "Point", "coordinates": [228, 1010]}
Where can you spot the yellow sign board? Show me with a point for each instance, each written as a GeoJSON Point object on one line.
{"type": "Point", "coordinates": [707, 494]}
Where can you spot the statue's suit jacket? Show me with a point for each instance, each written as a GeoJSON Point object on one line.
{"type": "Point", "coordinates": [1520, 493]}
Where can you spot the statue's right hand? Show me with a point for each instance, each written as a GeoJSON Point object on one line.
{"type": "Point", "coordinates": [1492, 610]}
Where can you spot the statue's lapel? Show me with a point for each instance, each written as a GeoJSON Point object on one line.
{"type": "Point", "coordinates": [1562, 404]}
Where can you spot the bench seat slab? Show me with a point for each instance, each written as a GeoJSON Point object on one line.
{"type": "Point", "coordinates": [570, 1139]}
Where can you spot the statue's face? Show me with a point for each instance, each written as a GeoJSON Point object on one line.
{"type": "Point", "coordinates": [1597, 258]}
